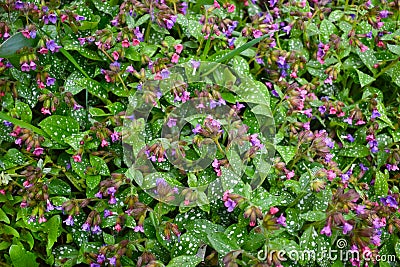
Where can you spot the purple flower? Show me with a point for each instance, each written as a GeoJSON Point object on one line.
{"type": "Point", "coordinates": [101, 258]}
{"type": "Point", "coordinates": [50, 81]}
{"type": "Point", "coordinates": [107, 213]}
{"type": "Point", "coordinates": [326, 231]}
{"type": "Point", "coordinates": [363, 167]}
{"type": "Point", "coordinates": [376, 238]}
{"type": "Point", "coordinates": [138, 34]}
{"type": "Point", "coordinates": [112, 260]}
{"type": "Point", "coordinates": [115, 137]}
{"type": "Point", "coordinates": [138, 228]}
{"type": "Point", "coordinates": [96, 229]}
{"type": "Point", "coordinates": [171, 122]}
{"type": "Point", "coordinates": [49, 206]}
{"type": "Point", "coordinates": [375, 114]}
{"type": "Point", "coordinates": [272, 3]}
{"type": "Point", "coordinates": [360, 209]}
{"type": "Point", "coordinates": [25, 67]}
{"type": "Point", "coordinates": [93, 264]}
{"type": "Point", "coordinates": [350, 138]}
{"type": "Point", "coordinates": [79, 18]}
{"type": "Point", "coordinates": [348, 120]}
{"type": "Point", "coordinates": [7, 124]}
{"type": "Point", "coordinates": [111, 190]}
{"type": "Point", "coordinates": [52, 18]}
{"type": "Point", "coordinates": [383, 14]}
{"type": "Point", "coordinates": [165, 73]}
{"type": "Point", "coordinates": [195, 64]}
{"type": "Point", "coordinates": [329, 143]}
{"type": "Point", "coordinates": [230, 204]}
{"type": "Point", "coordinates": [281, 220]}
{"type": "Point", "coordinates": [69, 221]}
{"type": "Point", "coordinates": [32, 34]}
{"type": "Point", "coordinates": [369, 35]}
{"type": "Point", "coordinates": [86, 227]}
{"type": "Point", "coordinates": [274, 93]}
{"type": "Point", "coordinates": [347, 228]}
{"type": "Point", "coordinates": [390, 202]}
{"type": "Point", "coordinates": [231, 42]}
{"type": "Point", "coordinates": [197, 129]}
{"type": "Point", "coordinates": [18, 4]}
{"type": "Point", "coordinates": [99, 195]}
{"type": "Point", "coordinates": [52, 46]}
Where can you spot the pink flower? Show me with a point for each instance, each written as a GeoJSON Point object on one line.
{"type": "Point", "coordinates": [216, 4]}
{"type": "Point", "coordinates": [257, 33]}
{"type": "Point", "coordinates": [45, 111]}
{"type": "Point", "coordinates": [64, 17]}
{"type": "Point", "coordinates": [77, 158]}
{"type": "Point", "coordinates": [363, 48]}
{"type": "Point", "coordinates": [290, 175]}
{"type": "Point", "coordinates": [175, 58]}
{"type": "Point", "coordinates": [125, 43]}
{"type": "Point", "coordinates": [117, 227]}
{"type": "Point", "coordinates": [135, 42]}
{"type": "Point", "coordinates": [115, 55]}
{"type": "Point", "coordinates": [38, 151]}
{"type": "Point", "coordinates": [115, 137]}
{"type": "Point", "coordinates": [273, 210]}
{"type": "Point", "coordinates": [231, 8]}
{"type": "Point", "coordinates": [104, 143]}
{"type": "Point", "coordinates": [178, 48]}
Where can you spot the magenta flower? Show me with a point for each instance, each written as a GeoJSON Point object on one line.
{"type": "Point", "coordinates": [326, 230]}
{"type": "Point", "coordinates": [86, 227]}
{"type": "Point", "coordinates": [282, 220]}
{"type": "Point", "coordinates": [347, 228]}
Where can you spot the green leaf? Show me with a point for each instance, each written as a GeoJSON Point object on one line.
{"type": "Point", "coordinates": [59, 127]}
{"type": "Point", "coordinates": [23, 111]}
{"type": "Point", "coordinates": [327, 29]}
{"type": "Point", "coordinates": [108, 239]}
{"type": "Point", "coordinates": [313, 216]}
{"type": "Point", "coordinates": [94, 87]}
{"type": "Point", "coordinates": [92, 181]}
{"type": "Point", "coordinates": [240, 49]}
{"type": "Point", "coordinates": [222, 244]}
{"type": "Point", "coordinates": [287, 152]}
{"type": "Point", "coordinates": [397, 248]}
{"type": "Point", "coordinates": [142, 20]}
{"type": "Point", "coordinates": [186, 261]}
{"type": "Point", "coordinates": [4, 217]}
{"type": "Point", "coordinates": [100, 165]}
{"type": "Point", "coordinates": [356, 151]}
{"type": "Point", "coordinates": [335, 15]}
{"type": "Point", "coordinates": [368, 58]}
{"type": "Point", "coordinates": [20, 257]}
{"type": "Point", "coordinates": [395, 49]}
{"type": "Point", "coordinates": [59, 187]}
{"type": "Point", "coordinates": [9, 48]}
{"type": "Point", "coordinates": [381, 185]}
{"type": "Point", "coordinates": [53, 229]}
{"type": "Point", "coordinates": [365, 79]}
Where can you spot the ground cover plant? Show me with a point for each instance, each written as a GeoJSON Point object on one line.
{"type": "Point", "coordinates": [199, 133]}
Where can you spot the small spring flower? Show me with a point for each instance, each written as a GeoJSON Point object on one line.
{"type": "Point", "coordinates": [171, 122]}
{"type": "Point", "coordinates": [86, 227]}
{"type": "Point", "coordinates": [178, 48]}
{"type": "Point", "coordinates": [347, 228]}
{"type": "Point", "coordinates": [175, 58]}
{"type": "Point", "coordinates": [138, 228]}
{"type": "Point", "coordinates": [69, 221]}
{"type": "Point", "coordinates": [282, 220]}
{"type": "Point", "coordinates": [96, 229]}
{"type": "Point", "coordinates": [326, 230]}
{"type": "Point", "coordinates": [231, 8]}
{"type": "Point", "coordinates": [115, 136]}
{"type": "Point", "coordinates": [77, 158]}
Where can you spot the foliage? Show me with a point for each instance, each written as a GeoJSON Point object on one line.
{"type": "Point", "coordinates": [199, 133]}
